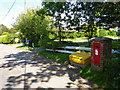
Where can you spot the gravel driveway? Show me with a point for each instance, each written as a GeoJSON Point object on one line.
{"type": "Point", "coordinates": [22, 68]}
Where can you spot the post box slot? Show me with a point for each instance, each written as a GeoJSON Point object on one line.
{"type": "Point", "coordinates": [96, 53]}
{"type": "Point", "coordinates": [97, 46]}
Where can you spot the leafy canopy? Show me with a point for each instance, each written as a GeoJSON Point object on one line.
{"type": "Point", "coordinates": [32, 26]}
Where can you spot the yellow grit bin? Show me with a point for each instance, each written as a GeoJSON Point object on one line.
{"type": "Point", "coordinates": [80, 58]}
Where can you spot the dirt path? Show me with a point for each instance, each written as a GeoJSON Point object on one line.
{"type": "Point", "coordinates": [22, 68]}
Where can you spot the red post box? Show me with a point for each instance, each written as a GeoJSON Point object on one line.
{"type": "Point", "coordinates": [101, 50]}
{"type": "Point", "coordinates": [96, 53]}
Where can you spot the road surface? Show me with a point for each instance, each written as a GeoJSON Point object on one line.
{"type": "Point", "coordinates": [23, 69]}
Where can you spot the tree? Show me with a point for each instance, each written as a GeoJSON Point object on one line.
{"type": "Point", "coordinates": [91, 30]}
{"type": "Point", "coordinates": [32, 26]}
{"type": "Point", "coordinates": [55, 9]}
{"type": "Point", "coordinates": [3, 29]}
{"type": "Point", "coordinates": [13, 30]}
{"type": "Point", "coordinates": [109, 15]}
{"type": "Point", "coordinates": [102, 13]}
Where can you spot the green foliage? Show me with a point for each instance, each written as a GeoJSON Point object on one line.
{"type": "Point", "coordinates": [3, 28]}
{"type": "Point", "coordinates": [116, 45]}
{"type": "Point", "coordinates": [52, 8]}
{"type": "Point", "coordinates": [112, 33]}
{"type": "Point", "coordinates": [60, 57]}
{"type": "Point", "coordinates": [6, 39]}
{"type": "Point", "coordinates": [91, 30]}
{"type": "Point", "coordinates": [13, 30]}
{"type": "Point", "coordinates": [25, 47]}
{"type": "Point", "coordinates": [9, 38]}
{"type": "Point", "coordinates": [75, 35]}
{"type": "Point", "coordinates": [44, 43]}
{"type": "Point", "coordinates": [66, 35]}
{"type": "Point", "coordinates": [5, 33]}
{"type": "Point", "coordinates": [102, 33]}
{"type": "Point", "coordinates": [80, 34]}
{"type": "Point", "coordinates": [112, 69]}
{"type": "Point", "coordinates": [52, 35]}
{"type": "Point", "coordinates": [1, 39]}
{"type": "Point", "coordinates": [48, 43]}
{"type": "Point", "coordinates": [110, 78]}
{"type": "Point", "coordinates": [32, 26]}
{"type": "Point", "coordinates": [98, 12]}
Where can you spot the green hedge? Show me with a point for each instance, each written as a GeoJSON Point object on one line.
{"type": "Point", "coordinates": [112, 33]}
{"type": "Point", "coordinates": [5, 33]}
{"type": "Point", "coordinates": [0, 39]}
{"type": "Point", "coordinates": [66, 35]}
{"type": "Point", "coordinates": [73, 34]}
{"type": "Point", "coordinates": [6, 39]}
{"type": "Point", "coordinates": [103, 32]}
{"type": "Point", "coordinates": [48, 43]}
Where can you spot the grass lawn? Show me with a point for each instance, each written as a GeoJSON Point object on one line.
{"type": "Point", "coordinates": [83, 39]}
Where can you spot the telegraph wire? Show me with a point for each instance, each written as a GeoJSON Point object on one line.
{"type": "Point", "coordinates": [8, 11]}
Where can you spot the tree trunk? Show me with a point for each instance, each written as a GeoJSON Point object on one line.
{"type": "Point", "coordinates": [59, 32]}
{"type": "Point", "coordinates": [89, 41]}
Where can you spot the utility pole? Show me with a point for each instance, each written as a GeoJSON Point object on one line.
{"type": "Point", "coordinates": [25, 6]}
{"type": "Point", "coordinates": [25, 87]}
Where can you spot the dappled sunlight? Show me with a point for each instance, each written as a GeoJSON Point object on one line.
{"type": "Point", "coordinates": [40, 71]}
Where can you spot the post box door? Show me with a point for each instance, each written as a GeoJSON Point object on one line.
{"type": "Point", "coordinates": [96, 53]}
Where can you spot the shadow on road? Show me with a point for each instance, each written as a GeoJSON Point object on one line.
{"type": "Point", "coordinates": [47, 69]}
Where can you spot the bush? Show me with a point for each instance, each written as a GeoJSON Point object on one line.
{"type": "Point", "coordinates": [52, 35]}
{"type": "Point", "coordinates": [112, 69]}
{"type": "Point", "coordinates": [112, 33]}
{"type": "Point", "coordinates": [102, 33]}
{"type": "Point", "coordinates": [67, 34]}
{"type": "Point", "coordinates": [80, 34]}
{"type": "Point", "coordinates": [111, 74]}
{"type": "Point", "coordinates": [75, 34]}
{"type": "Point", "coordinates": [44, 43]}
{"type": "Point", "coordinates": [8, 38]}
{"type": "Point", "coordinates": [49, 44]}
{"type": "Point", "coordinates": [91, 30]}
{"type": "Point", "coordinates": [5, 33]}
{"type": "Point", "coordinates": [0, 39]}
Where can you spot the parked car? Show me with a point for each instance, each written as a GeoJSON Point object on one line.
{"type": "Point", "coordinates": [118, 32]}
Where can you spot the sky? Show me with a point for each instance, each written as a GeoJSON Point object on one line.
{"type": "Point", "coordinates": [17, 9]}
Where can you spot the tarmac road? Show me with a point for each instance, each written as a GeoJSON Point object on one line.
{"type": "Point", "coordinates": [23, 69]}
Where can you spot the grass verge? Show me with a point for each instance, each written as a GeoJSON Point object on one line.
{"type": "Point", "coordinates": [109, 78]}
{"type": "Point", "coordinates": [25, 47]}
{"type": "Point", "coordinates": [60, 57]}
{"type": "Point", "coordinates": [116, 45]}
{"type": "Point", "coordinates": [14, 44]}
